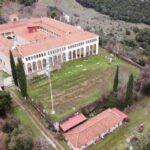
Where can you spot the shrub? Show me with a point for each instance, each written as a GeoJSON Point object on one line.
{"type": "Point", "coordinates": [146, 88]}
{"type": "Point", "coordinates": [11, 123]}
{"type": "Point", "coordinates": [128, 32]}
{"type": "Point", "coordinates": [5, 103]}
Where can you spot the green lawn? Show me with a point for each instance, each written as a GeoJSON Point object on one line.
{"type": "Point", "coordinates": [116, 140]}
{"type": "Point", "coordinates": [5, 74]}
{"type": "Point", "coordinates": [26, 122]}
{"type": "Point", "coordinates": [79, 83]}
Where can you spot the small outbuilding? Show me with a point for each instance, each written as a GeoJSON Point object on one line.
{"type": "Point", "coordinates": [95, 129]}
{"type": "Point", "coordinates": [72, 122]}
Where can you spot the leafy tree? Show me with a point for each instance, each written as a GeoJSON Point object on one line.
{"type": "Point", "coordinates": [41, 144]}
{"type": "Point", "coordinates": [135, 29]}
{"type": "Point", "coordinates": [13, 68]}
{"type": "Point", "coordinates": [5, 102]}
{"type": "Point", "coordinates": [146, 88]}
{"type": "Point", "coordinates": [130, 43]}
{"type": "Point", "coordinates": [143, 39]}
{"type": "Point", "coordinates": [127, 10]}
{"type": "Point", "coordinates": [27, 2]}
{"type": "Point", "coordinates": [22, 78]}
{"type": "Point", "coordinates": [142, 84]}
{"type": "Point", "coordinates": [140, 142]}
{"type": "Point", "coordinates": [116, 79]}
{"type": "Point", "coordinates": [10, 124]}
{"type": "Point", "coordinates": [53, 14]}
{"type": "Point", "coordinates": [21, 141]}
{"type": "Point", "coordinates": [128, 32]}
{"type": "Point", "coordinates": [129, 91]}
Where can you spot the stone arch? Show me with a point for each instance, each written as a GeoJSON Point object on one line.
{"type": "Point", "coordinates": [74, 54]}
{"type": "Point", "coordinates": [87, 51]}
{"type": "Point", "coordinates": [44, 63]}
{"type": "Point", "coordinates": [64, 57]}
{"type": "Point", "coordinates": [91, 48]}
{"type": "Point", "coordinates": [59, 59]}
{"type": "Point", "coordinates": [94, 49]}
{"type": "Point", "coordinates": [39, 65]}
{"type": "Point", "coordinates": [34, 66]}
{"type": "Point", "coordinates": [70, 55]}
{"type": "Point", "coordinates": [78, 53]}
{"type": "Point", "coordinates": [29, 67]}
{"type": "Point", "coordinates": [55, 59]}
{"type": "Point", "coordinates": [82, 52]}
{"type": "Point", "coordinates": [51, 61]}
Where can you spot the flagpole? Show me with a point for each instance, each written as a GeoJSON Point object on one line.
{"type": "Point", "coordinates": [50, 87]}
{"type": "Point", "coordinates": [52, 100]}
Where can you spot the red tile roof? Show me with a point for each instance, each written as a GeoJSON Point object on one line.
{"type": "Point", "coordinates": [72, 122]}
{"type": "Point", "coordinates": [67, 34]}
{"type": "Point", "coordinates": [93, 128]}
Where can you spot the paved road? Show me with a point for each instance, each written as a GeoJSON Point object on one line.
{"type": "Point", "coordinates": [54, 144]}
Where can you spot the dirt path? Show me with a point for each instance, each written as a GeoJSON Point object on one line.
{"type": "Point", "coordinates": [54, 144]}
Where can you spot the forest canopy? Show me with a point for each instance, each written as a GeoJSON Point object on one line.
{"type": "Point", "coordinates": [136, 11]}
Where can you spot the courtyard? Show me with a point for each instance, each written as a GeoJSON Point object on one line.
{"type": "Point", "coordinates": [79, 82]}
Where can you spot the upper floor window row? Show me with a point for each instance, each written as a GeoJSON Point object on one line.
{"type": "Point", "coordinates": [44, 54]}
{"type": "Point", "coordinates": [75, 45]}
{"type": "Point", "coordinates": [35, 56]}
{"type": "Point", "coordinates": [90, 41]}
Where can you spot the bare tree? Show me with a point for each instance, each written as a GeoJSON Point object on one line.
{"type": "Point", "coordinates": [40, 9]}
{"type": "Point", "coordinates": [41, 144]}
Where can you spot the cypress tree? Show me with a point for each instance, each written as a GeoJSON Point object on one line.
{"type": "Point", "coordinates": [129, 91]}
{"type": "Point", "coordinates": [22, 81]}
{"type": "Point", "coordinates": [13, 68]}
{"type": "Point", "coordinates": [116, 80]}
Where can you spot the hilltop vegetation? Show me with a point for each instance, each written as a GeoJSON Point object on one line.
{"type": "Point", "coordinates": [143, 38]}
{"type": "Point", "coordinates": [25, 2]}
{"type": "Point", "coordinates": [136, 11]}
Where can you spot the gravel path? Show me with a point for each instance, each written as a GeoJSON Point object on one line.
{"type": "Point", "coordinates": [53, 144]}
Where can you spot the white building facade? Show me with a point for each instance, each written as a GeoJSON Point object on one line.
{"type": "Point", "coordinates": [37, 63]}
{"type": "Point", "coordinates": [43, 41]}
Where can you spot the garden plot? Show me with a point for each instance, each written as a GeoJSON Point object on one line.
{"type": "Point", "coordinates": [80, 82]}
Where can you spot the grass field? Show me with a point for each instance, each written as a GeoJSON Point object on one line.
{"type": "Point", "coordinates": [116, 140]}
{"type": "Point", "coordinates": [5, 74]}
{"type": "Point", "coordinates": [26, 122]}
{"type": "Point", "coordinates": [79, 83]}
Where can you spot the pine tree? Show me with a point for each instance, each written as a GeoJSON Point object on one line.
{"type": "Point", "coordinates": [129, 91]}
{"type": "Point", "coordinates": [22, 81]}
{"type": "Point", "coordinates": [13, 68]}
{"type": "Point", "coordinates": [116, 80]}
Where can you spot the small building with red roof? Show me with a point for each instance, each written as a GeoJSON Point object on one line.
{"type": "Point", "coordinates": [72, 122]}
{"type": "Point", "coordinates": [95, 129]}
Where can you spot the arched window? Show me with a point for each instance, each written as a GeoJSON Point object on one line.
{"type": "Point", "coordinates": [44, 63]}
{"type": "Point", "coordinates": [70, 55]}
{"type": "Point", "coordinates": [74, 54]}
{"type": "Point", "coordinates": [87, 51]}
{"type": "Point", "coordinates": [91, 48]}
{"type": "Point", "coordinates": [64, 57]}
{"type": "Point", "coordinates": [39, 65]}
{"type": "Point", "coordinates": [78, 53]}
{"type": "Point", "coordinates": [59, 59]}
{"type": "Point", "coordinates": [82, 52]}
{"type": "Point", "coordinates": [55, 59]}
{"type": "Point", "coordinates": [29, 66]}
{"type": "Point", "coordinates": [50, 61]}
{"type": "Point", "coordinates": [94, 48]}
{"type": "Point", "coordinates": [34, 66]}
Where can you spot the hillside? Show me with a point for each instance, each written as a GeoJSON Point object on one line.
{"type": "Point", "coordinates": [136, 11]}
